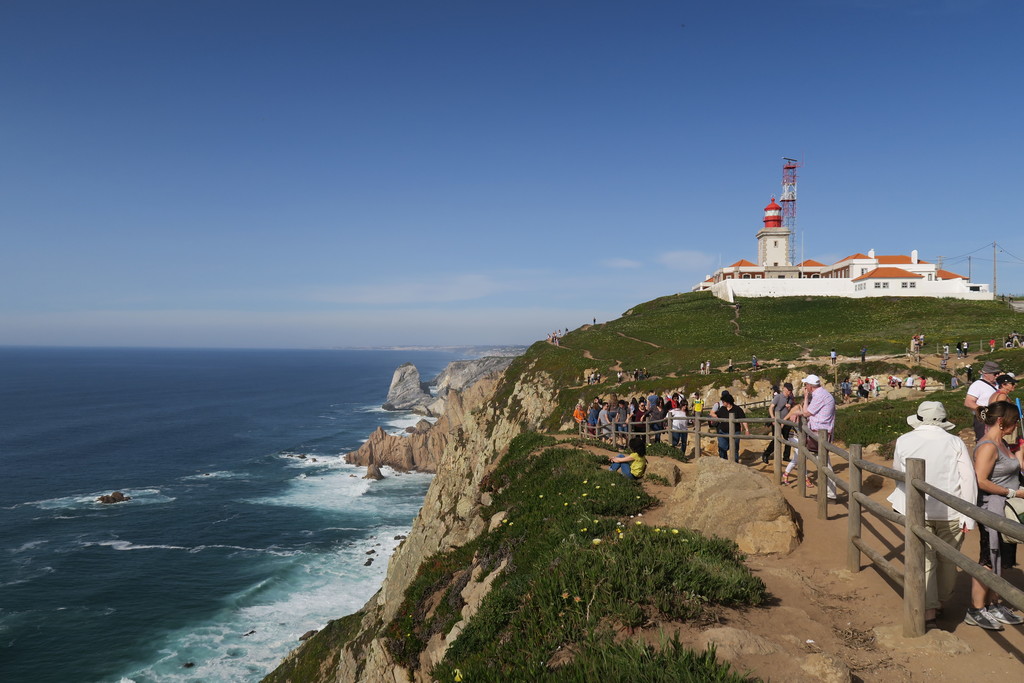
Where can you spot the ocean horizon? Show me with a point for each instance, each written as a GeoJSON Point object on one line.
{"type": "Point", "coordinates": [245, 527]}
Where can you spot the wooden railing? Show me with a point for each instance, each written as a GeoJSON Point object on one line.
{"type": "Point", "coordinates": [916, 535]}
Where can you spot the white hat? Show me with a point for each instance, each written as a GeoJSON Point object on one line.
{"type": "Point", "coordinates": [812, 379]}
{"type": "Point", "coordinates": [930, 413]}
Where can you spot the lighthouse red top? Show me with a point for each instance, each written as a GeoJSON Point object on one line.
{"type": "Point", "coordinates": [773, 215]}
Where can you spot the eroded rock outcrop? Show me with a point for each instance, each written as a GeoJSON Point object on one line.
{"type": "Point", "coordinates": [461, 374]}
{"type": "Point", "coordinates": [408, 392]}
{"type": "Point", "coordinates": [463, 446]}
{"type": "Point", "coordinates": [729, 500]}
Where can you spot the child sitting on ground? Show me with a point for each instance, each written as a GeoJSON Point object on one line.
{"type": "Point", "coordinates": [637, 463]}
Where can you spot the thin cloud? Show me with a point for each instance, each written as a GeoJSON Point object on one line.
{"type": "Point", "coordinates": [686, 260]}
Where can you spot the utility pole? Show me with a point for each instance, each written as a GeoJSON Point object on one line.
{"type": "Point", "coordinates": [995, 290]}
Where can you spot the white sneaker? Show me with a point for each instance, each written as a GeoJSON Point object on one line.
{"type": "Point", "coordinates": [1004, 615]}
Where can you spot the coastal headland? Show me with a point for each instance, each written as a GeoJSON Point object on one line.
{"type": "Point", "coordinates": [529, 560]}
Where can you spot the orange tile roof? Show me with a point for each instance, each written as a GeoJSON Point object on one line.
{"type": "Point", "coordinates": [897, 258]}
{"type": "Point", "coordinates": [886, 273]}
{"type": "Point", "coordinates": [853, 256]}
{"type": "Point", "coordinates": [743, 263]}
{"type": "Point", "coordinates": [811, 263]}
{"type": "Point", "coordinates": [946, 275]}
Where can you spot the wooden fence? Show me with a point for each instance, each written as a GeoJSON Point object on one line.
{"type": "Point", "coordinates": [916, 535]}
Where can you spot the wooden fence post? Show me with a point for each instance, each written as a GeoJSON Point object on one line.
{"type": "Point", "coordinates": [777, 450]}
{"type": "Point", "coordinates": [853, 526]}
{"type": "Point", "coordinates": [734, 446]}
{"type": "Point", "coordinates": [801, 452]}
{"type": "Point", "coordinates": [696, 435]}
{"type": "Point", "coordinates": [823, 479]}
{"type": "Point", "coordinates": [913, 553]}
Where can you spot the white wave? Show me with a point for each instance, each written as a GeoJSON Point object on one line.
{"type": "Point", "coordinates": [122, 545]}
{"type": "Point", "coordinates": [257, 626]}
{"type": "Point", "coordinates": [30, 545]}
{"type": "Point", "coordinates": [145, 496]}
{"type": "Point", "coordinates": [220, 474]}
{"type": "Point", "coordinates": [33, 574]}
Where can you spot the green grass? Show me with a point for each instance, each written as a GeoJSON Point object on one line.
{"type": "Point", "coordinates": [882, 422]}
{"type": "Point", "coordinates": [317, 660]}
{"type": "Point", "coordinates": [561, 589]}
{"type": "Point", "coordinates": [690, 328]}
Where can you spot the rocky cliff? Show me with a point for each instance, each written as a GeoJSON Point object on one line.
{"type": "Point", "coordinates": [464, 445]}
{"type": "Point", "coordinates": [408, 392]}
{"type": "Point", "coordinates": [460, 374]}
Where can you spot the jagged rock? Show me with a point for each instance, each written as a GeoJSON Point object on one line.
{"type": "Point", "coordinates": [372, 470]}
{"type": "Point", "coordinates": [371, 551]}
{"type": "Point", "coordinates": [188, 665]}
{"type": "Point", "coordinates": [368, 562]}
{"type": "Point", "coordinates": [407, 392]}
{"type": "Point", "coordinates": [461, 447]}
{"type": "Point", "coordinates": [420, 451]}
{"type": "Point", "coordinates": [729, 500]}
{"type": "Point", "coordinates": [399, 537]}
{"type": "Point", "coordinates": [308, 634]}
{"type": "Point", "coordinates": [115, 497]}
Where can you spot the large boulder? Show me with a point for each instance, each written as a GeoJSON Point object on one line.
{"type": "Point", "coordinates": [729, 500]}
{"type": "Point", "coordinates": [407, 392]}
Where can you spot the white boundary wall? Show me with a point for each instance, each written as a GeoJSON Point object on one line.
{"type": "Point", "coordinates": [955, 289]}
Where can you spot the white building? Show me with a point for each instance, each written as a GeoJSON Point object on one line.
{"type": "Point", "coordinates": [856, 276]}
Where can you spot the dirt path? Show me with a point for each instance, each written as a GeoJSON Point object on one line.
{"type": "Point", "coordinates": [642, 341]}
{"type": "Point", "coordinates": [818, 607]}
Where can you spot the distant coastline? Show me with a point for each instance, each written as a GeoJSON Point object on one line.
{"type": "Point", "coordinates": [475, 351]}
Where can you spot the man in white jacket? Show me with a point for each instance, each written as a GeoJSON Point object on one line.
{"type": "Point", "coordinates": [948, 467]}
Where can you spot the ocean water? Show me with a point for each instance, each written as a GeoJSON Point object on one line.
{"type": "Point", "coordinates": [232, 545]}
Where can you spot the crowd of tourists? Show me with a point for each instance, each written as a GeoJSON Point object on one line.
{"type": "Point", "coordinates": [988, 477]}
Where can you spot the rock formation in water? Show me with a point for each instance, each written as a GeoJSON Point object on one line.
{"type": "Point", "coordinates": [421, 449]}
{"type": "Point", "coordinates": [408, 392]}
{"type": "Point", "coordinates": [373, 470]}
{"type": "Point", "coordinates": [115, 497]}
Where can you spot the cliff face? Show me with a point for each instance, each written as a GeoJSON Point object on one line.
{"type": "Point", "coordinates": [460, 374]}
{"type": "Point", "coordinates": [408, 392]}
{"type": "Point", "coordinates": [463, 446]}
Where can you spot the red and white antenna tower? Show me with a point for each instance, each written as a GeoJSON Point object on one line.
{"type": "Point", "coordinates": [788, 202]}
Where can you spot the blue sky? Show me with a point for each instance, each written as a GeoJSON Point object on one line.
{"type": "Point", "coordinates": [320, 174]}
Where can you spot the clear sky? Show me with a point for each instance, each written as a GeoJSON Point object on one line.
{"type": "Point", "coordinates": [244, 173]}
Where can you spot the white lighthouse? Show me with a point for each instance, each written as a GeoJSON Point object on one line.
{"type": "Point", "coordinates": [773, 239]}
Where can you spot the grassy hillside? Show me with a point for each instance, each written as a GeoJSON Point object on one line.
{"type": "Point", "coordinates": [672, 335]}
{"type": "Point", "coordinates": [577, 569]}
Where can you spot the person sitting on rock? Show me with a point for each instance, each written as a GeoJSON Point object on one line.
{"type": "Point", "coordinates": [634, 465]}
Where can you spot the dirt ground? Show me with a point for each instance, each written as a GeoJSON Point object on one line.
{"type": "Point", "coordinates": [817, 607]}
